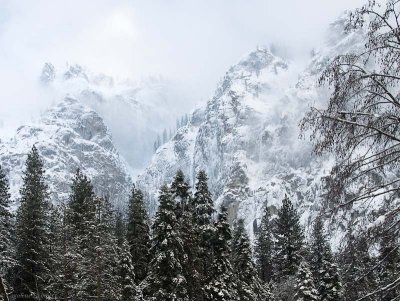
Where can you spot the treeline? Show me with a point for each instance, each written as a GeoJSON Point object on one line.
{"type": "Point", "coordinates": [86, 250]}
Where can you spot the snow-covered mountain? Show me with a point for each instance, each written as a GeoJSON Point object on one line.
{"type": "Point", "coordinates": [247, 136]}
{"type": "Point", "coordinates": [134, 111]}
{"type": "Point", "coordinates": [68, 136]}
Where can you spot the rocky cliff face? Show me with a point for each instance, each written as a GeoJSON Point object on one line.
{"type": "Point", "coordinates": [247, 136]}
{"type": "Point", "coordinates": [68, 136]}
{"type": "Point", "coordinates": [134, 111]}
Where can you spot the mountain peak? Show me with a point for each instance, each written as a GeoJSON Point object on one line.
{"type": "Point", "coordinates": [69, 136]}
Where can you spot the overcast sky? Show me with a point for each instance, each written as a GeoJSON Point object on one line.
{"type": "Point", "coordinates": [193, 41]}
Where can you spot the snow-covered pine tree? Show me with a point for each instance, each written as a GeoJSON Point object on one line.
{"type": "Point", "coordinates": [81, 220]}
{"type": "Point", "coordinates": [264, 247]}
{"type": "Point", "coordinates": [325, 272]}
{"type": "Point", "coordinates": [99, 270]}
{"type": "Point", "coordinates": [249, 287]}
{"type": "Point", "coordinates": [180, 190]}
{"type": "Point", "coordinates": [221, 284]}
{"type": "Point", "coordinates": [330, 286]}
{"type": "Point", "coordinates": [305, 289]}
{"type": "Point", "coordinates": [191, 263]}
{"type": "Point", "coordinates": [389, 257]}
{"type": "Point", "coordinates": [184, 211]}
{"type": "Point", "coordinates": [288, 236]}
{"type": "Point", "coordinates": [138, 234]}
{"type": "Point", "coordinates": [54, 286]}
{"type": "Point", "coordinates": [203, 209]}
{"type": "Point", "coordinates": [81, 202]}
{"type": "Point", "coordinates": [166, 280]}
{"type": "Point", "coordinates": [129, 290]}
{"type": "Point", "coordinates": [202, 201]}
{"type": "Point", "coordinates": [318, 248]}
{"type": "Point", "coordinates": [63, 254]}
{"type": "Point", "coordinates": [355, 260]}
{"type": "Point", "coordinates": [120, 228]}
{"type": "Point", "coordinates": [31, 272]}
{"type": "Point", "coordinates": [165, 136]}
{"type": "Point", "coordinates": [6, 241]}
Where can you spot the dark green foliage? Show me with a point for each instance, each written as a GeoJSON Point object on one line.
{"type": "Point", "coordinates": [202, 201]}
{"type": "Point", "coordinates": [191, 262]}
{"type": "Point", "coordinates": [221, 285]}
{"type": "Point", "coordinates": [55, 249]}
{"type": "Point", "coordinates": [32, 275]}
{"type": "Point", "coordinates": [98, 270]}
{"type": "Point", "coordinates": [180, 193]}
{"type": "Point", "coordinates": [249, 286]}
{"type": "Point", "coordinates": [319, 249]}
{"type": "Point", "coordinates": [354, 261]}
{"type": "Point", "coordinates": [289, 240]}
{"type": "Point", "coordinates": [80, 218]}
{"type": "Point", "coordinates": [203, 210]}
{"type": "Point", "coordinates": [166, 280]}
{"type": "Point", "coordinates": [129, 290]}
{"type": "Point", "coordinates": [188, 232]}
{"type": "Point", "coordinates": [264, 247]}
{"type": "Point", "coordinates": [305, 289]}
{"type": "Point", "coordinates": [6, 229]}
{"type": "Point", "coordinates": [389, 259]}
{"type": "Point", "coordinates": [330, 286]}
{"type": "Point", "coordinates": [81, 202]}
{"type": "Point", "coordinates": [120, 228]}
{"type": "Point", "coordinates": [324, 270]}
{"type": "Point", "coordinates": [138, 234]}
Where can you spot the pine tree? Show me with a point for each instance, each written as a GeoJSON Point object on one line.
{"type": "Point", "coordinates": [191, 263]}
{"type": "Point", "coordinates": [202, 201]}
{"type": "Point", "coordinates": [221, 285]}
{"type": "Point", "coordinates": [158, 141]}
{"type": "Point", "coordinates": [355, 260]}
{"type": "Point", "coordinates": [305, 290]}
{"type": "Point", "coordinates": [81, 202]}
{"type": "Point", "coordinates": [165, 136]}
{"type": "Point", "coordinates": [63, 254]}
{"type": "Point", "coordinates": [166, 280]}
{"type": "Point", "coordinates": [248, 284]}
{"type": "Point", "coordinates": [319, 249]}
{"type": "Point", "coordinates": [180, 190]}
{"type": "Point", "coordinates": [120, 228]}
{"type": "Point", "coordinates": [389, 256]}
{"type": "Point", "coordinates": [155, 146]}
{"type": "Point", "coordinates": [81, 220]}
{"type": "Point", "coordinates": [138, 235]}
{"type": "Point", "coordinates": [32, 254]}
{"type": "Point", "coordinates": [203, 210]}
{"type": "Point", "coordinates": [324, 270]}
{"type": "Point", "coordinates": [98, 273]}
{"type": "Point", "coordinates": [330, 286]}
{"type": "Point", "coordinates": [185, 215]}
{"type": "Point", "coordinates": [288, 240]}
{"type": "Point", "coordinates": [129, 291]}
{"type": "Point", "coordinates": [264, 247]}
{"type": "Point", "coordinates": [6, 241]}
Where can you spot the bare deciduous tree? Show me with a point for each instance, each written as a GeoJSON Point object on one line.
{"type": "Point", "coordinates": [361, 123]}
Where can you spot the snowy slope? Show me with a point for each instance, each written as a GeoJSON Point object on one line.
{"type": "Point", "coordinates": [134, 111]}
{"type": "Point", "coordinates": [246, 137]}
{"type": "Point", "coordinates": [68, 136]}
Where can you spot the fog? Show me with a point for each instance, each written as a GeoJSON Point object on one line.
{"type": "Point", "coordinates": [192, 42]}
